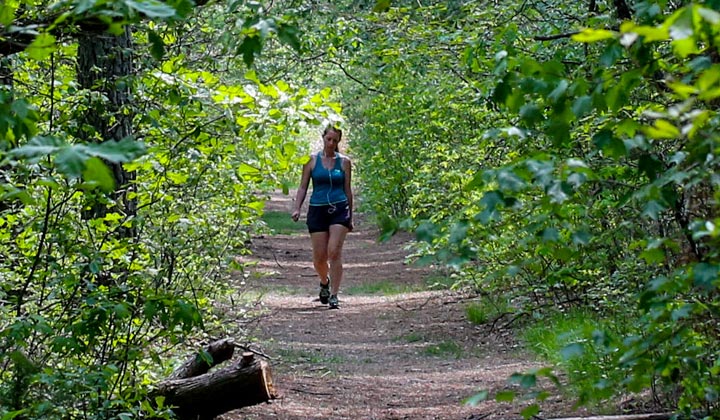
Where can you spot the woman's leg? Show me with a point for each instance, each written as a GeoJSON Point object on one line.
{"type": "Point", "coordinates": [320, 254]}
{"type": "Point", "coordinates": [335, 241]}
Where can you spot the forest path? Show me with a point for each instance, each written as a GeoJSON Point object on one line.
{"type": "Point", "coordinates": [409, 355]}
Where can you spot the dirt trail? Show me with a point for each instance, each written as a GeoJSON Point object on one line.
{"type": "Point", "coordinates": [380, 356]}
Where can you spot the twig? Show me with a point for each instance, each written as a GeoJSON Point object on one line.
{"type": "Point", "coordinates": [554, 37]}
{"type": "Point", "coordinates": [415, 309]}
{"type": "Point", "coordinates": [310, 392]}
{"type": "Point", "coordinates": [258, 352]}
{"type": "Point", "coordinates": [276, 260]}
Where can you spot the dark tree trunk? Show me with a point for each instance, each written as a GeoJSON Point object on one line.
{"type": "Point", "coordinates": [622, 10]}
{"type": "Point", "coordinates": [105, 66]}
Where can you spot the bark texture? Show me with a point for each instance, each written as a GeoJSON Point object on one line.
{"type": "Point", "coordinates": [243, 383]}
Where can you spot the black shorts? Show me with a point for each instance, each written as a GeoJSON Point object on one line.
{"type": "Point", "coordinates": [319, 218]}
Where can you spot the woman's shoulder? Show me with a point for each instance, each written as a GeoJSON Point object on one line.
{"type": "Point", "coordinates": [343, 157]}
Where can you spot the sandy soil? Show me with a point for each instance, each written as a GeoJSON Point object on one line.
{"type": "Point", "coordinates": [380, 356]}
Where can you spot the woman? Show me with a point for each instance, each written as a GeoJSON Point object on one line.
{"type": "Point", "coordinates": [329, 217]}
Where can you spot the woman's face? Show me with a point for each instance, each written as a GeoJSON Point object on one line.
{"type": "Point", "coordinates": [331, 139]}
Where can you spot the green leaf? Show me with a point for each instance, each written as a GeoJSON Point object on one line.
{"type": "Point", "coordinates": [653, 255]}
{"type": "Point", "coordinates": [610, 145]}
{"type": "Point", "coordinates": [559, 92]}
{"type": "Point", "coordinates": [152, 8]}
{"type": "Point", "coordinates": [426, 232]}
{"type": "Point", "coordinates": [289, 35]}
{"type": "Point", "coordinates": [459, 232]}
{"type": "Point", "coordinates": [38, 147]}
{"type": "Point", "coordinates": [490, 201]}
{"type": "Point", "coordinates": [249, 172]}
{"type": "Point", "coordinates": [530, 411]}
{"type": "Point", "coordinates": [97, 173]}
{"type": "Point", "coordinates": [71, 162]}
{"type": "Point", "coordinates": [7, 14]}
{"type": "Point", "coordinates": [250, 47]}
{"type": "Point", "coordinates": [531, 114]}
{"type": "Point", "coordinates": [388, 227]}
{"type": "Point", "coordinates": [124, 150]}
{"type": "Point", "coordinates": [662, 130]}
{"type": "Point", "coordinates": [41, 47]}
{"type": "Point", "coordinates": [477, 398]}
{"type": "Point", "coordinates": [649, 165]}
{"type": "Point", "coordinates": [582, 106]}
{"type": "Point", "coordinates": [505, 396]}
{"type": "Point", "coordinates": [706, 275]}
{"type": "Point", "coordinates": [594, 35]}
{"type": "Point", "coordinates": [381, 6]}
{"type": "Point", "coordinates": [572, 351]}
{"type": "Point", "coordinates": [559, 132]}
{"type": "Point", "coordinates": [612, 53]}
{"type": "Point", "coordinates": [12, 414]}
{"type": "Point", "coordinates": [157, 46]}
{"type": "Point", "coordinates": [525, 380]}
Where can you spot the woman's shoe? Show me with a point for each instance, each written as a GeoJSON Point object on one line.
{"type": "Point", "coordinates": [333, 301]}
{"type": "Point", "coordinates": [324, 293]}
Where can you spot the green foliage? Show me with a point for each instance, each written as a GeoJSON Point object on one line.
{"type": "Point", "coordinates": [383, 287]}
{"type": "Point", "coordinates": [444, 349]}
{"type": "Point", "coordinates": [577, 343]}
{"type": "Point", "coordinates": [561, 166]}
{"type": "Point", "coordinates": [280, 222]}
{"type": "Point", "coordinates": [487, 309]}
{"type": "Point", "coordinates": [120, 219]}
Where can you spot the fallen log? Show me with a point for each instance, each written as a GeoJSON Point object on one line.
{"type": "Point", "coordinates": [204, 396]}
{"type": "Point", "coordinates": [654, 416]}
{"type": "Point", "coordinates": [212, 355]}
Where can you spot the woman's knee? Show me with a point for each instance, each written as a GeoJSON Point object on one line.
{"type": "Point", "coordinates": [335, 255]}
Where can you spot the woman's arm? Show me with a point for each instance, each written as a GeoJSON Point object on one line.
{"type": "Point", "coordinates": [347, 167]}
{"type": "Point", "coordinates": [302, 189]}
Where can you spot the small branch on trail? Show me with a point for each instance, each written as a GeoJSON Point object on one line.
{"type": "Point", "coordinates": [276, 261]}
{"type": "Point", "coordinates": [415, 309]}
{"type": "Point", "coordinates": [310, 392]}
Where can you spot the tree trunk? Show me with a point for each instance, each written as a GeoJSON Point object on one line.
{"type": "Point", "coordinates": [245, 382]}
{"type": "Point", "coordinates": [105, 65]}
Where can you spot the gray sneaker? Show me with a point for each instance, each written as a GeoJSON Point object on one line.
{"type": "Point", "coordinates": [324, 293]}
{"type": "Point", "coordinates": [333, 301]}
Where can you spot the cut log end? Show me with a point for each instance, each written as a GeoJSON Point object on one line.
{"type": "Point", "coordinates": [242, 383]}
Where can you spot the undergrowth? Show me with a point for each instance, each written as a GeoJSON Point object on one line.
{"type": "Point", "coordinates": [571, 342]}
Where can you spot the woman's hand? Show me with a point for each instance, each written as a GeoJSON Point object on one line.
{"type": "Point", "coordinates": [295, 215]}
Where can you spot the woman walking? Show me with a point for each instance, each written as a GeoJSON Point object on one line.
{"type": "Point", "coordinates": [329, 217]}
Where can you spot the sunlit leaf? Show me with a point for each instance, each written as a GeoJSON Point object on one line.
{"type": "Point", "coordinates": [41, 47]}
{"type": "Point", "coordinates": [98, 174]}
{"type": "Point", "coordinates": [593, 35]}
{"type": "Point", "coordinates": [530, 411]}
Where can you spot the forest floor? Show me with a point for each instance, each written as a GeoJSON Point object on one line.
{"type": "Point", "coordinates": [406, 354]}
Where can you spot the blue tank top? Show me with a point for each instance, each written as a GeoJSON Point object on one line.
{"type": "Point", "coordinates": [328, 185]}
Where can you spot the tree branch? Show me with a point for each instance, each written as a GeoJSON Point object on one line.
{"type": "Point", "coordinates": [371, 89]}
